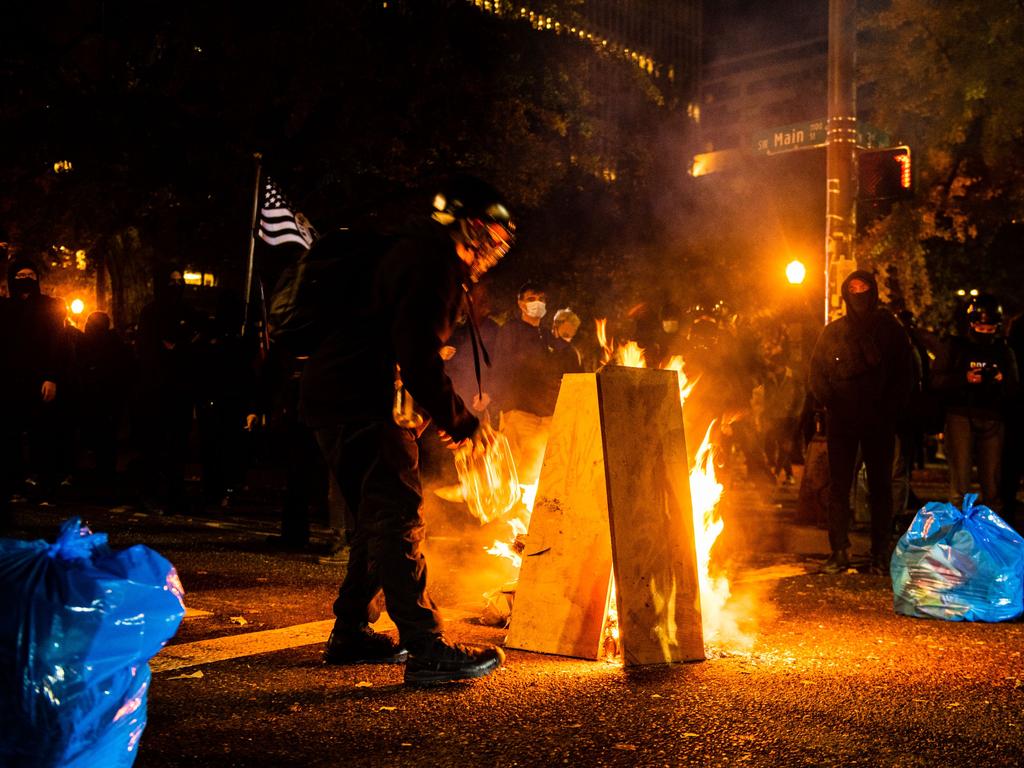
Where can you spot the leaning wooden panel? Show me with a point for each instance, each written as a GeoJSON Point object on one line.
{"type": "Point", "coordinates": [651, 516]}
{"type": "Point", "coordinates": [563, 584]}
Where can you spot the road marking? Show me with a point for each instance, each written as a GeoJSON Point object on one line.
{"type": "Point", "coordinates": [236, 646]}
{"type": "Point", "coordinates": [252, 643]}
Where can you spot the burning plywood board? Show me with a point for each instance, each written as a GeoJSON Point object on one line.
{"type": "Point", "coordinates": [563, 584]}
{"type": "Point", "coordinates": [651, 517]}
{"type": "Point", "coordinates": [615, 470]}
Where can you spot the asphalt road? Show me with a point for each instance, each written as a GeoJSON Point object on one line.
{"type": "Point", "coordinates": [829, 675]}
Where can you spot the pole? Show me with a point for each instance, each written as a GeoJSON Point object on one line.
{"type": "Point", "coordinates": [841, 152]}
{"type": "Point", "coordinates": [252, 239]}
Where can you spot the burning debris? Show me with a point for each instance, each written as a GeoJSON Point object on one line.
{"type": "Point", "coordinates": [706, 493]}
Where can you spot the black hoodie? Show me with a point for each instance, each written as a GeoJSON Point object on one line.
{"type": "Point", "coordinates": [862, 367]}
{"type": "Point", "coordinates": [34, 347]}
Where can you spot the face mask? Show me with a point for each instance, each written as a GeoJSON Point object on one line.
{"type": "Point", "coordinates": [861, 303]}
{"type": "Point", "coordinates": [536, 309]}
{"type": "Point", "coordinates": [670, 326]}
{"type": "Point", "coordinates": [25, 285]}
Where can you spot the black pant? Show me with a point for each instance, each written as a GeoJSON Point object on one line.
{"type": "Point", "coordinates": [877, 445]}
{"type": "Point", "coordinates": [376, 466]}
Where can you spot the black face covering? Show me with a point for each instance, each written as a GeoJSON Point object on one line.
{"type": "Point", "coordinates": [862, 304]}
{"type": "Point", "coordinates": [24, 286]}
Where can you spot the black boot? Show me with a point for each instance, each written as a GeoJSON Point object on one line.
{"type": "Point", "coordinates": [438, 660]}
{"type": "Point", "coordinates": [838, 562]}
{"type": "Point", "coordinates": [362, 646]}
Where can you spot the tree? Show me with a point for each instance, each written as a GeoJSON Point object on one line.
{"type": "Point", "coordinates": [947, 80]}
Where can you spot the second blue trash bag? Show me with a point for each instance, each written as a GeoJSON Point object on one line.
{"type": "Point", "coordinates": [959, 565]}
{"type": "Point", "coordinates": [78, 625]}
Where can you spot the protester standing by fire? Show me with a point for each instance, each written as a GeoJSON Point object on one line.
{"type": "Point", "coordinates": [978, 381]}
{"type": "Point", "coordinates": [862, 373]}
{"type": "Point", "coordinates": [400, 309]}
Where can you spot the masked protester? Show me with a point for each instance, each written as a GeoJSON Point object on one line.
{"type": "Point", "coordinates": [862, 374]}
{"type": "Point", "coordinates": [564, 327]}
{"type": "Point", "coordinates": [978, 381]}
{"type": "Point", "coordinates": [527, 378]}
{"type": "Point", "coordinates": [36, 358]}
{"type": "Point", "coordinates": [166, 345]}
{"type": "Point", "coordinates": [400, 307]}
{"type": "Point", "coordinates": [105, 375]}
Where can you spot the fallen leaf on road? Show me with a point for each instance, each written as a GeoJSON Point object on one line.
{"type": "Point", "coordinates": [239, 620]}
{"type": "Point", "coordinates": [691, 735]}
{"type": "Point", "coordinates": [406, 744]}
{"type": "Point", "coordinates": [295, 708]}
{"type": "Point", "coordinates": [190, 676]}
{"type": "Point", "coordinates": [656, 696]}
{"type": "Point", "coordinates": [386, 709]}
{"type": "Point", "coordinates": [953, 704]}
{"type": "Point", "coordinates": [364, 684]}
{"type": "Point", "coordinates": [626, 747]}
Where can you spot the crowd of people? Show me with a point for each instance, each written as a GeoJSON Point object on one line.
{"type": "Point", "coordinates": [418, 345]}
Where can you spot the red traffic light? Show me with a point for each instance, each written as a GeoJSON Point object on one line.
{"type": "Point", "coordinates": [885, 174]}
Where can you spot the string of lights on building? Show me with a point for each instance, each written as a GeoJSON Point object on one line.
{"type": "Point", "coordinates": [544, 23]}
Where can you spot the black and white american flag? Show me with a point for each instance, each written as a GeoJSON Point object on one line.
{"type": "Point", "coordinates": [279, 224]}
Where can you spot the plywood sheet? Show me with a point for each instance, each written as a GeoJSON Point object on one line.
{"type": "Point", "coordinates": [563, 584]}
{"type": "Point", "coordinates": [651, 516]}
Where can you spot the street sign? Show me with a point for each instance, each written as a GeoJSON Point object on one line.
{"type": "Point", "coordinates": [789, 138]}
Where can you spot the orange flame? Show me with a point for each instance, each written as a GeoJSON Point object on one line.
{"type": "Point", "coordinates": [601, 324]}
{"type": "Point", "coordinates": [630, 355]}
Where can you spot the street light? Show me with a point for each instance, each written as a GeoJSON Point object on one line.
{"type": "Point", "coordinates": [77, 307]}
{"type": "Point", "coordinates": [795, 272]}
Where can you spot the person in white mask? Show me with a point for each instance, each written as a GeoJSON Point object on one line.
{"type": "Point", "coordinates": [526, 380]}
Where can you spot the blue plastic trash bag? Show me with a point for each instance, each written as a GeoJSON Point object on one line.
{"type": "Point", "coordinates": [959, 565]}
{"type": "Point", "coordinates": [78, 625]}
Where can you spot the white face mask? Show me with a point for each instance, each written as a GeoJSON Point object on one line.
{"type": "Point", "coordinates": [536, 309]}
{"type": "Point", "coordinates": [670, 326]}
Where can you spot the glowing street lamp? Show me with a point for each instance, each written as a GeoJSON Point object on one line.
{"type": "Point", "coordinates": [77, 307]}
{"type": "Point", "coordinates": [795, 272]}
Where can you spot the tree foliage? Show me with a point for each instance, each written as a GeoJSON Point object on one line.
{"type": "Point", "coordinates": [948, 80]}
{"type": "Point", "coordinates": [358, 108]}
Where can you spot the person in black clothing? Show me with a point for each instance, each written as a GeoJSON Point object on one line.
{"type": "Point", "coordinates": [105, 374]}
{"type": "Point", "coordinates": [978, 381]}
{"type": "Point", "coordinates": [225, 406]}
{"type": "Point", "coordinates": [527, 379]}
{"type": "Point", "coordinates": [399, 310]}
{"type": "Point", "coordinates": [165, 346]}
{"type": "Point", "coordinates": [862, 373]}
{"type": "Point", "coordinates": [35, 361]}
{"type": "Point", "coordinates": [1013, 445]}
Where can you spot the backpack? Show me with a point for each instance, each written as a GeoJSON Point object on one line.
{"type": "Point", "coordinates": [304, 306]}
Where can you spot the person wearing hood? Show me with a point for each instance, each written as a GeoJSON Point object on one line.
{"type": "Point", "coordinates": [978, 381]}
{"type": "Point", "coordinates": [105, 373]}
{"type": "Point", "coordinates": [166, 346]}
{"type": "Point", "coordinates": [36, 358]}
{"type": "Point", "coordinates": [862, 373]}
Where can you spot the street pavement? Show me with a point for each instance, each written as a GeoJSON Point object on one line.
{"type": "Point", "coordinates": [816, 670]}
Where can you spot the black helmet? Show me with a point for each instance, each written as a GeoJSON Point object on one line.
{"type": "Point", "coordinates": [478, 218]}
{"type": "Point", "coordinates": [985, 309]}
{"type": "Point", "coordinates": [467, 197]}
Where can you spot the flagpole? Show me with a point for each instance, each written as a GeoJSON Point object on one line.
{"type": "Point", "coordinates": [252, 239]}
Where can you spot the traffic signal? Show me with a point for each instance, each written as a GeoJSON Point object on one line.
{"type": "Point", "coordinates": [885, 174]}
{"type": "Point", "coordinates": [883, 177]}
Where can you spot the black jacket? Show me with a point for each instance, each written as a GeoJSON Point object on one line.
{"type": "Point", "coordinates": [394, 308]}
{"type": "Point", "coordinates": [527, 376]}
{"type": "Point", "coordinates": [990, 399]}
{"type": "Point", "coordinates": [34, 346]}
{"type": "Point", "coordinates": [862, 367]}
